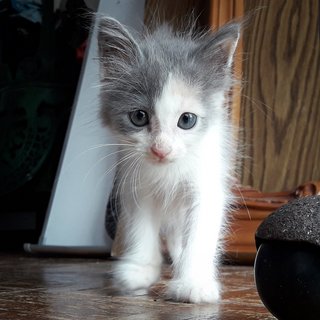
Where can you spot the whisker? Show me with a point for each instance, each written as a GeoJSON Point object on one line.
{"type": "Point", "coordinates": [126, 158]}
{"type": "Point", "coordinates": [101, 159]}
{"type": "Point", "coordinates": [122, 183]}
{"type": "Point", "coordinates": [134, 179]}
{"type": "Point", "coordinates": [259, 104]}
{"type": "Point", "coordinates": [242, 198]}
{"type": "Point", "coordinates": [114, 166]}
{"type": "Point", "coordinates": [79, 155]}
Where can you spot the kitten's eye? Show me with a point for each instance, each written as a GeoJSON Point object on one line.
{"type": "Point", "coordinates": [139, 118]}
{"type": "Point", "coordinates": [187, 121]}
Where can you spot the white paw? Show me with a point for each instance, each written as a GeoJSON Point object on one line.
{"type": "Point", "coordinates": [135, 278]}
{"type": "Point", "coordinates": [190, 291]}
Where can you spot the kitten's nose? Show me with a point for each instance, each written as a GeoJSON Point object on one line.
{"type": "Point", "coordinates": [160, 153]}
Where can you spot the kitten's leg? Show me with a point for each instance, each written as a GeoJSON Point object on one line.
{"type": "Point", "coordinates": [195, 270]}
{"type": "Point", "coordinates": [174, 240]}
{"type": "Point", "coordinates": [139, 267]}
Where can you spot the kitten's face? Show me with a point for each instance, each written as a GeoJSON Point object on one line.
{"type": "Point", "coordinates": [172, 127]}
{"type": "Point", "coordinates": [162, 94]}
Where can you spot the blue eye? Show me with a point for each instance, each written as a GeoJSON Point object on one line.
{"type": "Point", "coordinates": [187, 121]}
{"type": "Point", "coordinates": [139, 118]}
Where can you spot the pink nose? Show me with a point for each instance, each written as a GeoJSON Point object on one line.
{"type": "Point", "coordinates": [161, 154]}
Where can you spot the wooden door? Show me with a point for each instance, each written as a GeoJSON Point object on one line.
{"type": "Point", "coordinates": [280, 105]}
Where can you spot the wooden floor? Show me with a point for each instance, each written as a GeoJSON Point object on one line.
{"type": "Point", "coordinates": [64, 288]}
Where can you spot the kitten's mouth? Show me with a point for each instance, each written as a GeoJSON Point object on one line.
{"type": "Point", "coordinates": [158, 160]}
{"type": "Point", "coordinates": [162, 161]}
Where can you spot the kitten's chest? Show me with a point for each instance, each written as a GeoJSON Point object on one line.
{"type": "Point", "coordinates": [166, 187]}
{"type": "Point", "coordinates": [168, 193]}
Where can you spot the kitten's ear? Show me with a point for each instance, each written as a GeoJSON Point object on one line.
{"type": "Point", "coordinates": [116, 44]}
{"type": "Point", "coordinates": [228, 37]}
{"type": "Point", "coordinates": [221, 45]}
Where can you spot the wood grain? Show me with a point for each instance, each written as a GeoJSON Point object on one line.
{"type": "Point", "coordinates": [66, 289]}
{"type": "Point", "coordinates": [280, 111]}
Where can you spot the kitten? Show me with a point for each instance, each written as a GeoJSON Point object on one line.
{"type": "Point", "coordinates": [163, 95]}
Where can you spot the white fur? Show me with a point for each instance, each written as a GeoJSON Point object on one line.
{"type": "Point", "coordinates": [185, 196]}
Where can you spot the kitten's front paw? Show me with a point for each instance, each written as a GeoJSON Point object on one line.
{"type": "Point", "coordinates": [193, 292]}
{"type": "Point", "coordinates": [136, 278]}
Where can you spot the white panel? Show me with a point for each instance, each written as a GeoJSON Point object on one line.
{"type": "Point", "coordinates": [76, 214]}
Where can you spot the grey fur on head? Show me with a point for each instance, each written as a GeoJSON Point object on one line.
{"type": "Point", "coordinates": [133, 71]}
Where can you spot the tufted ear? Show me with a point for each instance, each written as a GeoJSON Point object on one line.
{"type": "Point", "coordinates": [219, 46]}
{"type": "Point", "coordinates": [116, 45]}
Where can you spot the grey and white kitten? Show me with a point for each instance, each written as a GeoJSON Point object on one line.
{"type": "Point", "coordinates": [164, 97]}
